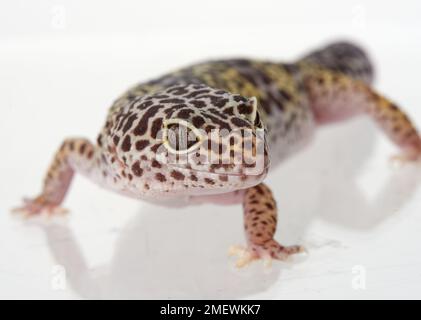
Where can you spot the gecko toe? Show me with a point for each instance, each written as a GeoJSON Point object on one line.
{"type": "Point", "coordinates": [38, 206]}
{"type": "Point", "coordinates": [266, 252]}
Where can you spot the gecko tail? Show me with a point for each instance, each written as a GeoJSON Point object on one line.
{"type": "Point", "coordinates": [344, 57]}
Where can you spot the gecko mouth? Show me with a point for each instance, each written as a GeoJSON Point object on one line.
{"type": "Point", "coordinates": [256, 168]}
{"type": "Point", "coordinates": [246, 164]}
{"type": "Point", "coordinates": [240, 152]}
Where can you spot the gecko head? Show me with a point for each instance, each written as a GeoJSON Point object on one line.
{"type": "Point", "coordinates": [191, 140]}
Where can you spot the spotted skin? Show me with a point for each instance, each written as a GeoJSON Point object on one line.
{"type": "Point", "coordinates": [132, 143]}
{"type": "Point", "coordinates": [330, 94]}
{"type": "Point", "coordinates": [262, 108]}
{"type": "Point", "coordinates": [74, 155]}
{"type": "Point", "coordinates": [260, 219]}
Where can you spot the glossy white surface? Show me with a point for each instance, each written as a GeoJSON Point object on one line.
{"type": "Point", "coordinates": [340, 197]}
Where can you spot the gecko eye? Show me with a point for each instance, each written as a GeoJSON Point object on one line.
{"type": "Point", "coordinates": [180, 136]}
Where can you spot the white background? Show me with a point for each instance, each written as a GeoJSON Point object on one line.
{"type": "Point", "coordinates": [63, 62]}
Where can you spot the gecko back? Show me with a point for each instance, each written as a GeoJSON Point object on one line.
{"type": "Point", "coordinates": [345, 58]}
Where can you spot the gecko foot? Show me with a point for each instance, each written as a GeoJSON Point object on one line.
{"type": "Point", "coordinates": [38, 205]}
{"type": "Point", "coordinates": [266, 251]}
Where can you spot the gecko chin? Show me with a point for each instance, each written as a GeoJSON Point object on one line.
{"type": "Point", "coordinates": [188, 182]}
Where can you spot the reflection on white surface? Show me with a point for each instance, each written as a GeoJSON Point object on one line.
{"type": "Point", "coordinates": [181, 253]}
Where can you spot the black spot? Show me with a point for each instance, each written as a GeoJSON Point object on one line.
{"type": "Point", "coordinates": [90, 154]}
{"type": "Point", "coordinates": [196, 93]}
{"type": "Point", "coordinates": [218, 113]}
{"type": "Point", "coordinates": [126, 144]}
{"type": "Point", "coordinates": [142, 125]}
{"type": "Point", "coordinates": [198, 121]}
{"type": "Point", "coordinates": [269, 206]}
{"type": "Point", "coordinates": [156, 126]}
{"type": "Point", "coordinates": [393, 107]}
{"type": "Point", "coordinates": [198, 103]}
{"type": "Point", "coordinates": [145, 105]}
{"type": "Point", "coordinates": [209, 181]}
{"type": "Point", "coordinates": [184, 114]}
{"type": "Point", "coordinates": [220, 102]}
{"type": "Point", "coordinates": [290, 68]}
{"type": "Point", "coordinates": [116, 139]}
{"type": "Point", "coordinates": [155, 147]}
{"type": "Point", "coordinates": [222, 124]}
{"type": "Point", "coordinates": [180, 90]}
{"type": "Point", "coordinates": [259, 190]}
{"type": "Point", "coordinates": [156, 164]}
{"type": "Point", "coordinates": [239, 98]}
{"type": "Point", "coordinates": [160, 177]}
{"type": "Point", "coordinates": [285, 95]}
{"type": "Point", "coordinates": [245, 109]}
{"type": "Point", "coordinates": [161, 96]}
{"type": "Point", "coordinates": [229, 111]}
{"type": "Point", "coordinates": [173, 100]}
{"type": "Point", "coordinates": [129, 123]}
{"type": "Point", "coordinates": [141, 144]}
{"type": "Point", "coordinates": [223, 178]}
{"type": "Point", "coordinates": [171, 110]}
{"type": "Point", "coordinates": [239, 122]}
{"type": "Point", "coordinates": [177, 175]}
{"type": "Point", "coordinates": [136, 169]}
{"type": "Point", "coordinates": [82, 148]}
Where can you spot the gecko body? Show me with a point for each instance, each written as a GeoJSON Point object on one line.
{"type": "Point", "coordinates": [212, 131]}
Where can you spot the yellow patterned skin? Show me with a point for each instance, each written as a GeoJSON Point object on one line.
{"type": "Point", "coordinates": [279, 105]}
{"type": "Point", "coordinates": [283, 104]}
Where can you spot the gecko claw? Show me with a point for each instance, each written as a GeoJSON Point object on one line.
{"type": "Point", "coordinates": [244, 255]}
{"type": "Point", "coordinates": [268, 252]}
{"type": "Point", "coordinates": [399, 160]}
{"type": "Point", "coordinates": [235, 250]}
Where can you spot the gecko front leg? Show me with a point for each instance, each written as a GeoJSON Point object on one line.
{"type": "Point", "coordinates": [260, 218]}
{"type": "Point", "coordinates": [74, 155]}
